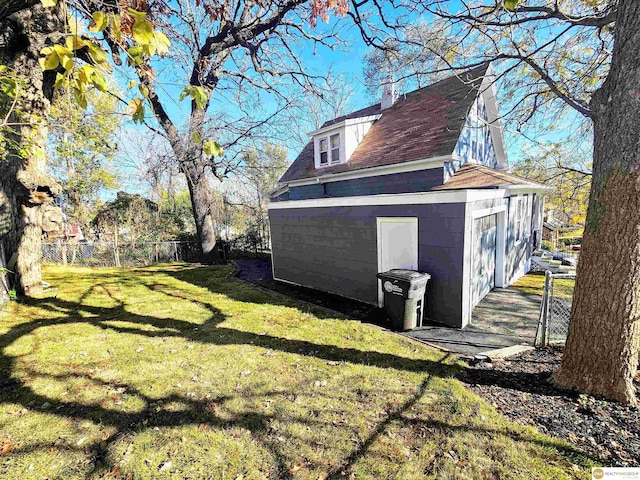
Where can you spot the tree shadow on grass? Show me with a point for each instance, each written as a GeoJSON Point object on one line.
{"type": "Point", "coordinates": [155, 412]}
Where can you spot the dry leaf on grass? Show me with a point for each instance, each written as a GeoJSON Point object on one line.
{"type": "Point", "coordinates": [6, 447]}
{"type": "Point", "coordinates": [297, 468]}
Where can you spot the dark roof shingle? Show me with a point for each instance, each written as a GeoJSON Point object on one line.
{"type": "Point", "coordinates": [422, 124]}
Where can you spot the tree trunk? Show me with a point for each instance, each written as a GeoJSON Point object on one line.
{"type": "Point", "coordinates": [201, 201]}
{"type": "Point", "coordinates": [601, 353]}
{"type": "Point", "coordinates": [24, 182]}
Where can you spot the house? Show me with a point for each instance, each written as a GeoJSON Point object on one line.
{"type": "Point", "coordinates": [419, 182]}
{"type": "Point", "coordinates": [68, 231]}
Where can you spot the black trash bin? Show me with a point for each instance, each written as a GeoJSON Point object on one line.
{"type": "Point", "coordinates": [404, 297]}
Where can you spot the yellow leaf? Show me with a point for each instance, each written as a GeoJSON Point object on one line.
{"type": "Point", "coordinates": [99, 81]}
{"type": "Point", "coordinates": [51, 61]}
{"type": "Point", "coordinates": [212, 148]}
{"type": "Point", "coordinates": [85, 73]}
{"type": "Point", "coordinates": [136, 109]}
{"type": "Point", "coordinates": [97, 54]}
{"type": "Point", "coordinates": [134, 105]}
{"type": "Point", "coordinates": [80, 97]}
{"type": "Point", "coordinates": [131, 84]}
{"type": "Point", "coordinates": [144, 90]}
{"type": "Point", "coordinates": [61, 50]}
{"type": "Point", "coordinates": [100, 21]}
{"type": "Point", "coordinates": [74, 42]}
{"type": "Point", "coordinates": [162, 43]}
{"type": "Point", "coordinates": [49, 3]}
{"type": "Point", "coordinates": [149, 50]}
{"type": "Point", "coordinates": [137, 16]}
{"type": "Point", "coordinates": [116, 29]}
{"type": "Point", "coordinates": [143, 32]}
{"type": "Point", "coordinates": [59, 80]}
{"type": "Point", "coordinates": [66, 62]}
{"type": "Point", "coordinates": [136, 55]}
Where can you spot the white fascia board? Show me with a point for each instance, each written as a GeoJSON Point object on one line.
{"type": "Point", "coordinates": [424, 164]}
{"type": "Point", "coordinates": [453, 196]}
{"type": "Point", "coordinates": [489, 95]}
{"type": "Point", "coordinates": [344, 123]}
{"type": "Point", "coordinates": [527, 188]}
{"type": "Point", "coordinates": [280, 190]}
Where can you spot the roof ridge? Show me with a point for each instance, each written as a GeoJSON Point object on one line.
{"type": "Point", "coordinates": [484, 66]}
{"type": "Point", "coordinates": [457, 76]}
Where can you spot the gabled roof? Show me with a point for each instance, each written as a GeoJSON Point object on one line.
{"type": "Point", "coordinates": [479, 176]}
{"type": "Point", "coordinates": [422, 124]}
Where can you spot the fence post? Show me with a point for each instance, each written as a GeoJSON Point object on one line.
{"type": "Point", "coordinates": [175, 251]}
{"type": "Point", "coordinates": [547, 305]}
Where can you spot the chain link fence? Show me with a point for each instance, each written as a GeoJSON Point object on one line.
{"type": "Point", "coordinates": [109, 254]}
{"type": "Point", "coordinates": [555, 309]}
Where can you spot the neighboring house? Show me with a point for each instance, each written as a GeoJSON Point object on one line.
{"type": "Point", "coordinates": [550, 229]}
{"type": "Point", "coordinates": [68, 231]}
{"type": "Point", "coordinates": [417, 182]}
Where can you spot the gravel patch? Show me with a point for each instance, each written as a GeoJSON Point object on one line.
{"type": "Point", "coordinates": [519, 388]}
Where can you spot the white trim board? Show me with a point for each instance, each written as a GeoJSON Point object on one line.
{"type": "Point", "coordinates": [345, 123]}
{"type": "Point", "coordinates": [453, 196]}
{"type": "Point", "coordinates": [414, 166]}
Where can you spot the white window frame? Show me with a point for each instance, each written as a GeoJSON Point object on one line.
{"type": "Point", "coordinates": [331, 149]}
{"type": "Point", "coordinates": [520, 216]}
{"type": "Point", "coordinates": [330, 160]}
{"type": "Point", "coordinates": [320, 152]}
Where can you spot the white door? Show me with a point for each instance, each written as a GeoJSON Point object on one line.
{"type": "Point", "coordinates": [397, 245]}
{"type": "Point", "coordinates": [484, 257]}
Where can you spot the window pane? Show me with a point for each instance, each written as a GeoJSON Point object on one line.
{"type": "Point", "coordinates": [335, 156]}
{"type": "Point", "coordinates": [335, 141]}
{"type": "Point", "coordinates": [323, 158]}
{"type": "Point", "coordinates": [323, 144]}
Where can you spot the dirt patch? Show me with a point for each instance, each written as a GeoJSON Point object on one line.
{"type": "Point", "coordinates": [519, 388]}
{"type": "Point", "coordinates": [259, 273]}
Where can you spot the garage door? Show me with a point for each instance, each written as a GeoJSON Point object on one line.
{"type": "Point", "coordinates": [483, 272]}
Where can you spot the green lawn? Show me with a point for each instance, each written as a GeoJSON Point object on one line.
{"type": "Point", "coordinates": [533, 283]}
{"type": "Point", "coordinates": [178, 371]}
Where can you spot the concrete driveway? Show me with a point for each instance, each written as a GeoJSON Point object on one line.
{"type": "Point", "coordinates": [504, 318]}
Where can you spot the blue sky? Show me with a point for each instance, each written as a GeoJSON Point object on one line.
{"type": "Point", "coordinates": [348, 63]}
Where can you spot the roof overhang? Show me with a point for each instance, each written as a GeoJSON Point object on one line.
{"type": "Point", "coordinates": [526, 188]}
{"type": "Point", "coordinates": [344, 123]}
{"type": "Point", "coordinates": [424, 198]}
{"type": "Point", "coordinates": [279, 191]}
{"type": "Point", "coordinates": [414, 166]}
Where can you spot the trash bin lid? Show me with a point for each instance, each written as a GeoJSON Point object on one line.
{"type": "Point", "coordinates": [406, 275]}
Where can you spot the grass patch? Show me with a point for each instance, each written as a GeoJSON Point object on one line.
{"type": "Point", "coordinates": [533, 283]}
{"type": "Point", "coordinates": [177, 371]}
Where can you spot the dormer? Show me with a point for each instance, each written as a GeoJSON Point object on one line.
{"type": "Point", "coordinates": [334, 143]}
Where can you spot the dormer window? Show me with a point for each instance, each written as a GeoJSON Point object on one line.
{"type": "Point", "coordinates": [335, 143]}
{"type": "Point", "coordinates": [324, 152]}
{"type": "Point", "coordinates": [335, 148]}
{"type": "Point", "coordinates": [329, 150]}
